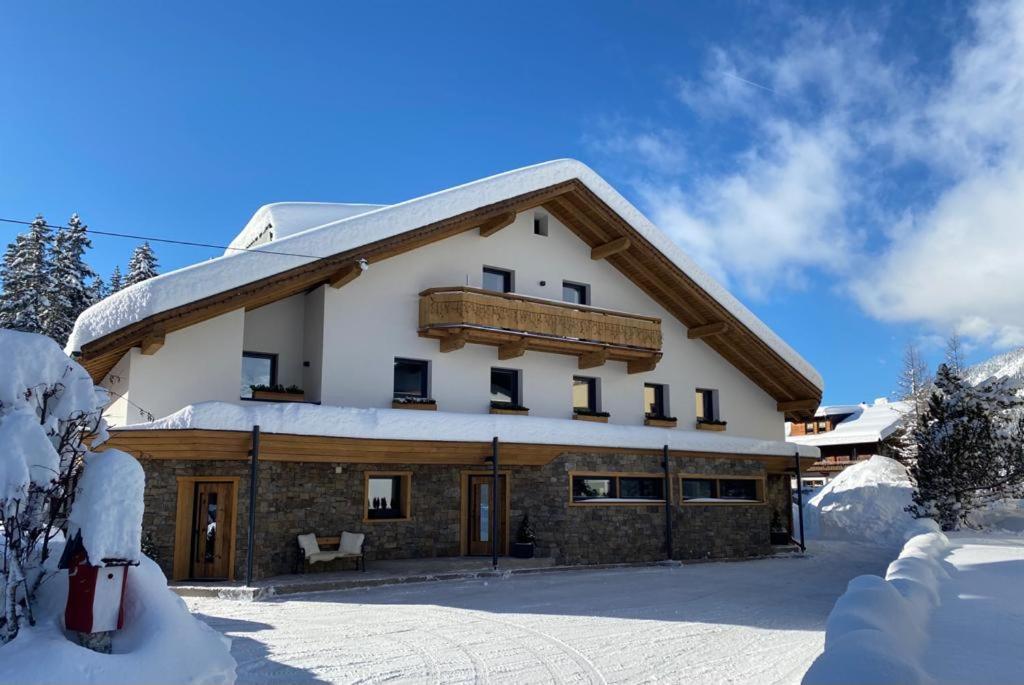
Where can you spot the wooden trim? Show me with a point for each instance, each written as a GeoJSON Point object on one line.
{"type": "Point", "coordinates": [464, 505]}
{"type": "Point", "coordinates": [538, 300]}
{"type": "Point", "coordinates": [345, 275]}
{"type": "Point", "coordinates": [421, 406]}
{"type": "Point", "coordinates": [151, 343]}
{"type": "Point", "coordinates": [642, 365]}
{"type": "Point", "coordinates": [593, 359]}
{"type": "Point", "coordinates": [278, 396]}
{"type": "Point", "coordinates": [489, 228]}
{"type": "Point", "coordinates": [511, 412]}
{"type": "Point", "coordinates": [698, 332]}
{"type": "Point", "coordinates": [184, 510]}
{"type": "Point", "coordinates": [610, 248]}
{"type": "Point", "coordinates": [511, 350]}
{"type": "Point", "coordinates": [661, 423]}
{"type": "Point", "coordinates": [588, 417]}
{"type": "Point", "coordinates": [660, 475]}
{"type": "Point", "coordinates": [806, 405]}
{"type": "Point", "coordinates": [455, 340]}
{"type": "Point", "coordinates": [762, 492]}
{"type": "Point", "coordinates": [716, 427]}
{"type": "Point", "coordinates": [406, 477]}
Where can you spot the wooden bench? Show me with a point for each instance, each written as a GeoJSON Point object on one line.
{"type": "Point", "coordinates": [327, 549]}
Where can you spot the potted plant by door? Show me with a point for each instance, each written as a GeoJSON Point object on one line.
{"type": "Point", "coordinates": [779, 535]}
{"type": "Point", "coordinates": [523, 547]}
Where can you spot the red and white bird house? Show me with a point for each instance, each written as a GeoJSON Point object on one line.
{"type": "Point", "coordinates": [95, 593]}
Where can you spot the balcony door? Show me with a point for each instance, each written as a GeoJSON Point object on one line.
{"type": "Point", "coordinates": [481, 511]}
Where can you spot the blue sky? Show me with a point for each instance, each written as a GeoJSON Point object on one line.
{"type": "Point", "coordinates": [853, 173]}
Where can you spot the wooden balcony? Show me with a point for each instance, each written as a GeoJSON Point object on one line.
{"type": "Point", "coordinates": [516, 324]}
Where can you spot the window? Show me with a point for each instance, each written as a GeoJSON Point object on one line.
{"type": "Point", "coordinates": [822, 426]}
{"type": "Point", "coordinates": [576, 293]}
{"type": "Point", "coordinates": [706, 405]}
{"type": "Point", "coordinates": [809, 427]}
{"type": "Point", "coordinates": [617, 488]}
{"type": "Point", "coordinates": [540, 224]}
{"type": "Point", "coordinates": [387, 496]}
{"type": "Point", "coordinates": [258, 369]}
{"type": "Point", "coordinates": [723, 489]}
{"type": "Point", "coordinates": [654, 401]}
{"type": "Point", "coordinates": [505, 386]}
{"type": "Point", "coordinates": [411, 378]}
{"type": "Point", "coordinates": [498, 280]}
{"type": "Point", "coordinates": [584, 394]}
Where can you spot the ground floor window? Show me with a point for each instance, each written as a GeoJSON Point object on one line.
{"type": "Point", "coordinates": [722, 489]}
{"type": "Point", "coordinates": [387, 496]}
{"type": "Point", "coordinates": [610, 488]}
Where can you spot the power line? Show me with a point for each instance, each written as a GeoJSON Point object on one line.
{"type": "Point", "coordinates": [167, 240]}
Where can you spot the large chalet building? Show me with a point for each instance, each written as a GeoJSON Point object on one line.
{"type": "Point", "coordinates": [389, 354]}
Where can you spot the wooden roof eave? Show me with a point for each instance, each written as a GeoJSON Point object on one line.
{"type": "Point", "coordinates": [574, 205]}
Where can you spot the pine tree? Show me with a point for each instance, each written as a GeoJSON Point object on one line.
{"type": "Point", "coordinates": [70, 294]}
{"type": "Point", "coordinates": [116, 282]}
{"type": "Point", "coordinates": [955, 357]}
{"type": "Point", "coordinates": [141, 266]}
{"type": "Point", "coordinates": [25, 272]}
{"type": "Point", "coordinates": [914, 387]}
{"type": "Point", "coordinates": [970, 448]}
{"type": "Point", "coordinates": [98, 290]}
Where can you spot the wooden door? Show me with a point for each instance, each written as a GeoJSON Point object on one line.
{"type": "Point", "coordinates": [211, 530]}
{"type": "Point", "coordinates": [481, 510]}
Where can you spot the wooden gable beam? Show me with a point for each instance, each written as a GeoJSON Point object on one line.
{"type": "Point", "coordinates": [608, 249]}
{"type": "Point", "coordinates": [492, 226]}
{"type": "Point", "coordinates": [455, 341]}
{"type": "Point", "coordinates": [643, 365]}
{"type": "Point", "coordinates": [698, 332]}
{"type": "Point", "coordinates": [151, 343]}
{"type": "Point", "coordinates": [798, 405]}
{"type": "Point", "coordinates": [511, 350]}
{"type": "Point", "coordinates": [345, 275]}
{"type": "Point", "coordinates": [591, 360]}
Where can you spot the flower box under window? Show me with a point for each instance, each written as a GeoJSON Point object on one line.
{"type": "Point", "coordinates": [710, 425]}
{"type": "Point", "coordinates": [586, 415]}
{"type": "Point", "coordinates": [424, 403]}
{"type": "Point", "coordinates": [278, 393]}
{"type": "Point", "coordinates": [660, 421]}
{"type": "Point", "coordinates": [509, 408]}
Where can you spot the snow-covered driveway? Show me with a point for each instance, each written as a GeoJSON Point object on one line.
{"type": "Point", "coordinates": [757, 621]}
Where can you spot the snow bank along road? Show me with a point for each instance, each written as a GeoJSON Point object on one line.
{"type": "Point", "coordinates": [756, 621]}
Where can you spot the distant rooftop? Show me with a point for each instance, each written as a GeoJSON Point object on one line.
{"type": "Point", "coordinates": [866, 423]}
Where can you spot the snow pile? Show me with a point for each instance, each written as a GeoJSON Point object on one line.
{"type": "Point", "coordinates": [282, 219]}
{"type": "Point", "coordinates": [877, 631]}
{"type": "Point", "coordinates": [233, 271]}
{"type": "Point", "coordinates": [398, 424]}
{"type": "Point", "coordinates": [1005, 515]}
{"type": "Point", "coordinates": [865, 503]}
{"type": "Point", "coordinates": [161, 641]}
{"type": "Point", "coordinates": [108, 506]}
{"type": "Point", "coordinates": [34, 461]}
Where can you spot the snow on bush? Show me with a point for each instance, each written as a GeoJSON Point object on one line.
{"type": "Point", "coordinates": [865, 503]}
{"type": "Point", "coordinates": [877, 630]}
{"type": "Point", "coordinates": [49, 409]}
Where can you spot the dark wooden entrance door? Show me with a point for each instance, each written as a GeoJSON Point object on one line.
{"type": "Point", "coordinates": [481, 509]}
{"type": "Point", "coordinates": [211, 530]}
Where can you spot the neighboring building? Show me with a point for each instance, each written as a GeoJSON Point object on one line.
{"type": "Point", "coordinates": [846, 434]}
{"type": "Point", "coordinates": [542, 292]}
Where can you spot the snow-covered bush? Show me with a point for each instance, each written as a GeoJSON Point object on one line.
{"type": "Point", "coordinates": [48, 406]}
{"type": "Point", "coordinates": [867, 502]}
{"type": "Point", "coordinates": [970, 448]}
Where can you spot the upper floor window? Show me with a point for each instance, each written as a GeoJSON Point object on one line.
{"type": "Point", "coordinates": [540, 224]}
{"type": "Point", "coordinates": [505, 386]}
{"type": "Point", "coordinates": [809, 427]}
{"type": "Point", "coordinates": [412, 378]}
{"type": "Point", "coordinates": [822, 426]}
{"type": "Point", "coordinates": [584, 394]}
{"type": "Point", "coordinates": [655, 404]}
{"type": "Point", "coordinates": [258, 368]}
{"type": "Point", "coordinates": [576, 293]}
{"type": "Point", "coordinates": [498, 280]}
{"type": "Point", "coordinates": [706, 409]}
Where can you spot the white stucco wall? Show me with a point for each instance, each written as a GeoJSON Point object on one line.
{"type": "Point", "coordinates": [313, 344]}
{"type": "Point", "coordinates": [279, 328]}
{"type": "Point", "coordinates": [373, 319]}
{"type": "Point", "coordinates": [199, 363]}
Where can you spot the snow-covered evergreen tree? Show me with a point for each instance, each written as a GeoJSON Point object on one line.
{"type": "Point", "coordinates": [970, 448]}
{"type": "Point", "coordinates": [956, 358]}
{"type": "Point", "coordinates": [141, 266]}
{"type": "Point", "coordinates": [98, 290]}
{"type": "Point", "coordinates": [24, 302]}
{"type": "Point", "coordinates": [70, 293]}
{"type": "Point", "coordinates": [116, 281]}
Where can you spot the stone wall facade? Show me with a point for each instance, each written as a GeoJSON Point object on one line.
{"type": "Point", "coordinates": [327, 499]}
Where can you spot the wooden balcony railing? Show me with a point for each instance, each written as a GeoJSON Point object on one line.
{"type": "Point", "coordinates": [517, 323]}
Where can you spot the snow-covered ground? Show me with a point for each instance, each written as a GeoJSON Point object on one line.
{"type": "Point", "coordinates": [755, 622]}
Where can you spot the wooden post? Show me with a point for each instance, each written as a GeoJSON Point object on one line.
{"type": "Point", "coordinates": [495, 508]}
{"type": "Point", "coordinates": [800, 501]}
{"type": "Point", "coordinates": [668, 503]}
{"type": "Point", "coordinates": [254, 455]}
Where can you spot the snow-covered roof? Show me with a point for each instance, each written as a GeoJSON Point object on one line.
{"type": "Point", "coordinates": [866, 423]}
{"type": "Point", "coordinates": [192, 283]}
{"type": "Point", "coordinates": [282, 219]}
{"type": "Point", "coordinates": [399, 424]}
